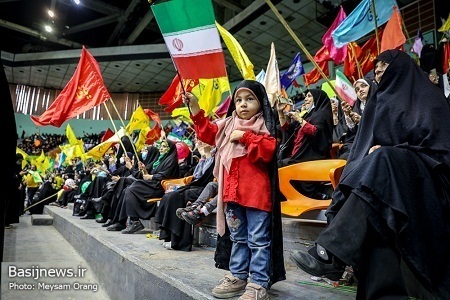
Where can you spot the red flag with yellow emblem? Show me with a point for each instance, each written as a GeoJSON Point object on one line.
{"type": "Point", "coordinates": [84, 91]}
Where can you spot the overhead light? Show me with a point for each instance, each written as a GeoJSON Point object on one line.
{"type": "Point", "coordinates": [77, 2]}
{"type": "Point", "coordinates": [48, 28]}
{"type": "Point", "coordinates": [51, 13]}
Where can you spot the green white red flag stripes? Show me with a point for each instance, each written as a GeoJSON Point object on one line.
{"type": "Point", "coordinates": [192, 38]}
{"type": "Point", "coordinates": [344, 88]}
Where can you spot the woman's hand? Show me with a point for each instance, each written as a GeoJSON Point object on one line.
{"type": "Point", "coordinates": [346, 108]}
{"type": "Point", "coordinates": [191, 101]}
{"type": "Point", "coordinates": [355, 117]}
{"type": "Point", "coordinates": [296, 116]}
{"type": "Point", "coordinates": [147, 176]}
{"type": "Point", "coordinates": [374, 148]}
{"type": "Point", "coordinates": [236, 135]}
{"type": "Point", "coordinates": [281, 106]}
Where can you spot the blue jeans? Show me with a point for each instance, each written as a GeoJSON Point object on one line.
{"type": "Point", "coordinates": [250, 254]}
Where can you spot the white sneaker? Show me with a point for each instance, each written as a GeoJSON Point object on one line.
{"type": "Point", "coordinates": [254, 291]}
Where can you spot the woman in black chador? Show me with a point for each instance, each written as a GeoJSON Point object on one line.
{"type": "Point", "coordinates": [392, 204]}
{"type": "Point", "coordinates": [136, 195]}
{"type": "Point", "coordinates": [308, 137]}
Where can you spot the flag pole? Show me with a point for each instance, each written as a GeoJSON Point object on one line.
{"type": "Point", "coordinates": [374, 12]}
{"type": "Point", "coordinates": [123, 124]}
{"type": "Point", "coordinates": [297, 40]}
{"type": "Point", "coordinates": [115, 129]}
{"type": "Point", "coordinates": [358, 66]}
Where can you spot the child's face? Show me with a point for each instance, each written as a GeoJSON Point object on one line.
{"type": "Point", "coordinates": [246, 104]}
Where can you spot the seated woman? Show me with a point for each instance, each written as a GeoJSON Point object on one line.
{"type": "Point", "coordinates": [353, 114]}
{"type": "Point", "coordinates": [129, 172]}
{"type": "Point", "coordinates": [389, 213]}
{"type": "Point", "coordinates": [122, 177]}
{"type": "Point", "coordinates": [309, 137]}
{"type": "Point", "coordinates": [135, 196]}
{"type": "Point", "coordinates": [173, 230]}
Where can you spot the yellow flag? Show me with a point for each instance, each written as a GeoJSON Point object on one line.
{"type": "Point", "coordinates": [73, 141]}
{"type": "Point", "coordinates": [446, 26]}
{"type": "Point", "coordinates": [138, 120]}
{"type": "Point", "coordinates": [241, 59]}
{"type": "Point", "coordinates": [98, 151]}
{"type": "Point", "coordinates": [24, 155]}
{"type": "Point", "coordinates": [209, 93]}
{"type": "Point", "coordinates": [182, 114]}
{"type": "Point", "coordinates": [142, 138]}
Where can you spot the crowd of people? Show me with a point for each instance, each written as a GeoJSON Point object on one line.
{"type": "Point", "coordinates": [389, 212]}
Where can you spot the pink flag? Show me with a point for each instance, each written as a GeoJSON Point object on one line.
{"type": "Point", "coordinates": [337, 54]}
{"type": "Point", "coordinates": [223, 108]}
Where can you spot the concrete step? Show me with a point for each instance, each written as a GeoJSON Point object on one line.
{"type": "Point", "coordinates": [41, 220]}
{"type": "Point", "coordinates": [137, 266]}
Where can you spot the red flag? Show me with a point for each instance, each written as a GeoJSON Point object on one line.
{"type": "Point", "coordinates": [84, 91]}
{"type": "Point", "coordinates": [364, 55]}
{"type": "Point", "coordinates": [393, 37]}
{"type": "Point", "coordinates": [155, 133]}
{"type": "Point", "coordinates": [446, 58]}
{"type": "Point", "coordinates": [350, 66]}
{"type": "Point", "coordinates": [322, 57]}
{"type": "Point", "coordinates": [108, 133]}
{"type": "Point", "coordinates": [172, 97]}
{"type": "Point", "coordinates": [314, 76]}
{"type": "Point", "coordinates": [337, 54]}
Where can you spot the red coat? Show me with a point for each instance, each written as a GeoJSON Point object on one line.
{"type": "Point", "coordinates": [247, 183]}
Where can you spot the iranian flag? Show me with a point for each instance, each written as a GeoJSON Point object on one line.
{"type": "Point", "coordinates": [190, 34]}
{"type": "Point", "coordinates": [344, 88]}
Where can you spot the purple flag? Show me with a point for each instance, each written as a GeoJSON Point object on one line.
{"type": "Point", "coordinates": [418, 45]}
{"type": "Point", "coordinates": [295, 70]}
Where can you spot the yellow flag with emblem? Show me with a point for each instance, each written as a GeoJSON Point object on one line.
{"type": "Point", "coordinates": [209, 93]}
{"type": "Point", "coordinates": [138, 120]}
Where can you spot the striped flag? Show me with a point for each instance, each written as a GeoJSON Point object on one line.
{"type": "Point", "coordinates": [344, 88]}
{"type": "Point", "coordinates": [192, 38]}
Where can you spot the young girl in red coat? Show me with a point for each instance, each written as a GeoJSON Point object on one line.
{"type": "Point", "coordinates": [248, 199]}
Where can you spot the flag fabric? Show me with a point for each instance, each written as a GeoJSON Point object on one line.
{"type": "Point", "coordinates": [344, 88]}
{"type": "Point", "coordinates": [446, 58]}
{"type": "Point", "coordinates": [154, 132]}
{"type": "Point", "coordinates": [241, 59]}
{"type": "Point", "coordinates": [418, 44]}
{"type": "Point", "coordinates": [361, 21]}
{"type": "Point", "coordinates": [261, 77]}
{"type": "Point", "coordinates": [337, 54]}
{"type": "Point", "coordinates": [108, 133]}
{"type": "Point", "coordinates": [446, 25]}
{"type": "Point", "coordinates": [172, 97]}
{"type": "Point", "coordinates": [191, 36]}
{"type": "Point", "coordinates": [393, 37]}
{"type": "Point", "coordinates": [209, 93]}
{"type": "Point", "coordinates": [182, 114]}
{"type": "Point", "coordinates": [294, 70]}
{"type": "Point", "coordinates": [72, 138]}
{"type": "Point", "coordinates": [222, 109]}
{"type": "Point", "coordinates": [83, 91]}
{"type": "Point", "coordinates": [98, 151]}
{"type": "Point", "coordinates": [314, 76]}
{"type": "Point", "coordinates": [321, 58]}
{"type": "Point", "coordinates": [139, 119]}
{"type": "Point", "coordinates": [365, 56]}
{"type": "Point", "coordinates": [272, 80]}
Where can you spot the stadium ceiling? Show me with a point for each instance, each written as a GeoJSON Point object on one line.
{"type": "Point", "coordinates": [126, 41]}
